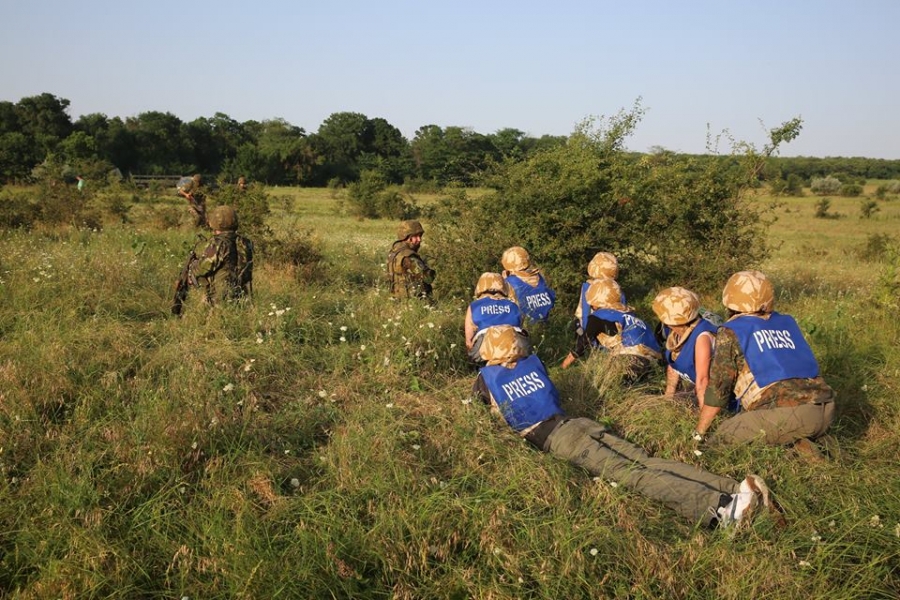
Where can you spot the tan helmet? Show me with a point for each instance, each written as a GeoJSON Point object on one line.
{"type": "Point", "coordinates": [409, 228]}
{"type": "Point", "coordinates": [491, 283]}
{"type": "Point", "coordinates": [515, 259]}
{"type": "Point", "coordinates": [604, 292]}
{"type": "Point", "coordinates": [503, 344]}
{"type": "Point", "coordinates": [197, 178]}
{"type": "Point", "coordinates": [676, 306]}
{"type": "Point", "coordinates": [749, 292]}
{"type": "Point", "coordinates": [603, 264]}
{"type": "Point", "coordinates": [223, 218]}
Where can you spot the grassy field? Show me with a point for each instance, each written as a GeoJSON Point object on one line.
{"type": "Point", "coordinates": [322, 442]}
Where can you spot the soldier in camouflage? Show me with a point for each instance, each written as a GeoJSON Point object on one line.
{"type": "Point", "coordinates": [410, 276]}
{"type": "Point", "coordinates": [225, 267]}
{"type": "Point", "coordinates": [763, 361]}
{"type": "Point", "coordinates": [192, 192]}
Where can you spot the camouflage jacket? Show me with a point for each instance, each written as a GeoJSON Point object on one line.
{"type": "Point", "coordinates": [225, 267]}
{"type": "Point", "coordinates": [729, 371]}
{"type": "Point", "coordinates": [410, 276]}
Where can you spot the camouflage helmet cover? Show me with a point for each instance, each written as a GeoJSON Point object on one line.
{"type": "Point", "coordinates": [604, 264]}
{"type": "Point", "coordinates": [604, 292]}
{"type": "Point", "coordinates": [676, 306]}
{"type": "Point", "coordinates": [515, 259]}
{"type": "Point", "coordinates": [502, 344]}
{"type": "Point", "coordinates": [749, 292]}
{"type": "Point", "coordinates": [491, 283]}
{"type": "Point", "coordinates": [223, 218]}
{"type": "Point", "coordinates": [409, 228]}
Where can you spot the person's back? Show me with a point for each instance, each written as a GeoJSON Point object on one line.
{"type": "Point", "coordinates": [532, 292]}
{"type": "Point", "coordinates": [225, 267]}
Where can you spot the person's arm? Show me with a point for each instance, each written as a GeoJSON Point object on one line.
{"type": "Point", "coordinates": [480, 390]}
{"type": "Point", "coordinates": [672, 379]}
{"type": "Point", "coordinates": [702, 360]}
{"type": "Point", "coordinates": [707, 414]}
{"type": "Point", "coordinates": [723, 372]}
{"type": "Point", "coordinates": [595, 327]}
{"type": "Point", "coordinates": [470, 329]}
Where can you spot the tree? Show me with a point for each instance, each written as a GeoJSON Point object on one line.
{"type": "Point", "coordinates": [44, 119]}
{"type": "Point", "coordinates": [16, 156]}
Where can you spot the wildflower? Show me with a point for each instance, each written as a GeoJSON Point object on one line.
{"type": "Point", "coordinates": [594, 552]}
{"type": "Point", "coordinates": [452, 346]}
{"type": "Point", "coordinates": [279, 312]}
{"type": "Point", "coordinates": [259, 337]}
{"type": "Point", "coordinates": [343, 328]}
{"type": "Point", "coordinates": [815, 538]}
{"type": "Point", "coordinates": [430, 325]}
{"type": "Point", "coordinates": [467, 400]}
{"type": "Point", "coordinates": [613, 484]}
{"type": "Point", "coordinates": [389, 405]}
{"type": "Point", "coordinates": [416, 447]}
{"type": "Point", "coordinates": [897, 530]}
{"type": "Point", "coordinates": [343, 339]}
{"type": "Point", "coordinates": [875, 521]}
{"type": "Point", "coordinates": [362, 348]}
{"type": "Point", "coordinates": [194, 446]}
{"type": "Point", "coordinates": [804, 564]}
{"type": "Point", "coordinates": [228, 387]}
{"type": "Point", "coordinates": [295, 483]}
{"type": "Point", "coordinates": [698, 453]}
{"type": "Point", "coordinates": [322, 393]}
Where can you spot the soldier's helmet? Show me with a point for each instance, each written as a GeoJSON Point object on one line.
{"type": "Point", "coordinates": [515, 259]}
{"type": "Point", "coordinates": [223, 218]}
{"type": "Point", "coordinates": [604, 292]}
{"type": "Point", "coordinates": [409, 228]}
{"type": "Point", "coordinates": [603, 264]}
{"type": "Point", "coordinates": [491, 283]}
{"type": "Point", "coordinates": [503, 344]}
{"type": "Point", "coordinates": [676, 306]}
{"type": "Point", "coordinates": [749, 292]}
{"type": "Point", "coordinates": [197, 178]}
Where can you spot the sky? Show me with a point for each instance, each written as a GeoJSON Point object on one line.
{"type": "Point", "coordinates": [707, 73]}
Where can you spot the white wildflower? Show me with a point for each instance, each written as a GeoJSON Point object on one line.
{"type": "Point", "coordinates": [279, 312]}
{"type": "Point", "coordinates": [815, 537]}
{"type": "Point", "coordinates": [389, 405]}
{"type": "Point", "coordinates": [698, 453]}
{"type": "Point", "coordinates": [295, 483]}
{"type": "Point", "coordinates": [343, 328]}
{"type": "Point", "coordinates": [875, 521]}
{"type": "Point", "coordinates": [804, 564]}
{"type": "Point", "coordinates": [322, 393]}
{"type": "Point", "coordinates": [467, 400]}
{"type": "Point", "coordinates": [613, 484]}
{"type": "Point", "coordinates": [594, 552]}
{"type": "Point", "coordinates": [194, 446]}
{"type": "Point", "coordinates": [362, 348]}
{"type": "Point", "coordinates": [431, 325]}
{"type": "Point", "coordinates": [416, 447]}
{"type": "Point", "coordinates": [452, 346]}
{"type": "Point", "coordinates": [228, 387]}
{"type": "Point", "coordinates": [343, 339]}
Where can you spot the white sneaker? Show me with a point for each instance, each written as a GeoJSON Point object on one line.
{"type": "Point", "coordinates": [744, 501]}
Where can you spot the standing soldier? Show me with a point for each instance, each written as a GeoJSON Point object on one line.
{"type": "Point", "coordinates": [225, 267]}
{"type": "Point", "coordinates": [190, 189]}
{"type": "Point", "coordinates": [410, 276]}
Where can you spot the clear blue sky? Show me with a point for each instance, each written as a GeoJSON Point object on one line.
{"type": "Point", "coordinates": [541, 67]}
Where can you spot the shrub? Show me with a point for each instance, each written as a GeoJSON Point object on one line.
{"type": "Point", "coordinates": [851, 190]}
{"type": "Point", "coordinates": [18, 211]}
{"type": "Point", "coordinates": [298, 250]}
{"type": "Point", "coordinates": [825, 185]}
{"type": "Point", "coordinates": [822, 207]}
{"type": "Point", "coordinates": [664, 216]}
{"type": "Point", "coordinates": [876, 247]}
{"type": "Point", "coordinates": [371, 198]}
{"type": "Point", "coordinates": [867, 208]}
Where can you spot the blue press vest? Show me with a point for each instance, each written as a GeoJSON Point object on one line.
{"type": "Point", "coordinates": [489, 312]}
{"type": "Point", "coordinates": [535, 301]}
{"type": "Point", "coordinates": [586, 308]}
{"type": "Point", "coordinates": [684, 364]}
{"type": "Point", "coordinates": [524, 393]}
{"type": "Point", "coordinates": [634, 331]}
{"type": "Point", "coordinates": [774, 348]}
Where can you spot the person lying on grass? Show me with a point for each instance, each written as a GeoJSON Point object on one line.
{"type": "Point", "coordinates": [517, 386]}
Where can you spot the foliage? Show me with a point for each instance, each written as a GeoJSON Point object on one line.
{"type": "Point", "coordinates": [851, 190]}
{"type": "Point", "coordinates": [825, 185]}
{"type": "Point", "coordinates": [822, 207]}
{"type": "Point", "coordinates": [371, 197]}
{"type": "Point", "coordinates": [867, 208]}
{"type": "Point", "coordinates": [662, 215]}
{"type": "Point", "coordinates": [877, 247]}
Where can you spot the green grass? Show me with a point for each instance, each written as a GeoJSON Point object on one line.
{"type": "Point", "coordinates": [321, 443]}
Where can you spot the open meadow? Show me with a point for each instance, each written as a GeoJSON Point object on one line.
{"type": "Point", "coordinates": [322, 442]}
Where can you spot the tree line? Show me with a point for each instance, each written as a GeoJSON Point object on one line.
{"type": "Point", "coordinates": [37, 136]}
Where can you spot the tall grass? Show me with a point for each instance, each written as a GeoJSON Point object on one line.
{"type": "Point", "coordinates": [322, 441]}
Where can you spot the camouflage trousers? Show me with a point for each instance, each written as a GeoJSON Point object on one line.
{"type": "Point", "coordinates": [691, 492]}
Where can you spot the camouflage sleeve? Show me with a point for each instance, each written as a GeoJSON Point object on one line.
{"type": "Point", "coordinates": [209, 261]}
{"type": "Point", "coordinates": [419, 274]}
{"type": "Point", "coordinates": [723, 371]}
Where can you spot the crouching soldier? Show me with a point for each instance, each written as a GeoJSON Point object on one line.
{"type": "Point", "coordinates": [225, 267]}
{"type": "Point", "coordinates": [410, 276]}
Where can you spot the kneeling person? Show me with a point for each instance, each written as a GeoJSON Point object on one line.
{"type": "Point", "coordinates": [225, 267]}
{"type": "Point", "coordinates": [492, 307]}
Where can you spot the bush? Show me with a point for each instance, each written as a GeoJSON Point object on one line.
{"type": "Point", "coordinates": [876, 247]}
{"type": "Point", "coordinates": [822, 207]}
{"type": "Point", "coordinates": [18, 211]}
{"type": "Point", "coordinates": [851, 190]}
{"type": "Point", "coordinates": [867, 208]}
{"type": "Point", "coordinates": [825, 185]}
{"type": "Point", "coordinates": [371, 198]}
{"type": "Point", "coordinates": [669, 219]}
{"type": "Point", "coordinates": [297, 250]}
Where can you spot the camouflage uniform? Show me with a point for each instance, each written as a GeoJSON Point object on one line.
{"type": "Point", "coordinates": [196, 200]}
{"type": "Point", "coordinates": [225, 267]}
{"type": "Point", "coordinates": [410, 276]}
